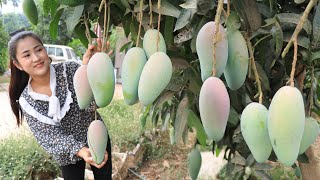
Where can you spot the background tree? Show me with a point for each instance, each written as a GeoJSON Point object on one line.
{"type": "Point", "coordinates": [4, 36]}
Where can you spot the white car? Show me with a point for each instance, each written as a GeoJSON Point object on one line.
{"type": "Point", "coordinates": [60, 53]}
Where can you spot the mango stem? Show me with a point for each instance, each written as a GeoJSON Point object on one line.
{"type": "Point", "coordinates": [294, 62]}
{"type": "Point", "coordinates": [159, 19]}
{"type": "Point", "coordinates": [87, 32]}
{"type": "Point", "coordinates": [140, 19]}
{"type": "Point", "coordinates": [150, 12]}
{"type": "Point", "coordinates": [311, 92]}
{"type": "Point", "coordinates": [215, 36]}
{"type": "Point", "coordinates": [254, 68]}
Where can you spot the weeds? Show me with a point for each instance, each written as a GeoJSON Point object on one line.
{"type": "Point", "coordinates": [22, 158]}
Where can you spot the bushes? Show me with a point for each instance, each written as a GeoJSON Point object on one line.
{"type": "Point", "coordinates": [3, 49]}
{"type": "Point", "coordinates": [22, 158]}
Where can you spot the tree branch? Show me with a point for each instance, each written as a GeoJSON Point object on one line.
{"type": "Point", "coordinates": [255, 71]}
{"type": "Point", "coordinates": [215, 36]}
{"type": "Point", "coordinates": [303, 18]}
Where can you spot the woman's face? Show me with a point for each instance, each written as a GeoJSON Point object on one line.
{"type": "Point", "coordinates": [32, 57]}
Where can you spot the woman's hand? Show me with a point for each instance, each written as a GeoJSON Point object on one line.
{"type": "Point", "coordinates": [93, 49]}
{"type": "Point", "coordinates": [85, 154]}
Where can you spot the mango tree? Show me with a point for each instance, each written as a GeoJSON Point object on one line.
{"type": "Point", "coordinates": [243, 74]}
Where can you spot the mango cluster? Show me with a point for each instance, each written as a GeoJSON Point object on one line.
{"type": "Point", "coordinates": [230, 53]}
{"type": "Point", "coordinates": [283, 128]}
{"type": "Point", "coordinates": [146, 71]}
{"type": "Point", "coordinates": [95, 81]}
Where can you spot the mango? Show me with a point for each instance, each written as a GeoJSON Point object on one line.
{"type": "Point", "coordinates": [154, 78]}
{"type": "Point", "coordinates": [82, 87]}
{"type": "Point", "coordinates": [101, 78]}
{"type": "Point", "coordinates": [132, 66]}
{"type": "Point", "coordinates": [310, 134]}
{"type": "Point", "coordinates": [214, 106]}
{"type": "Point", "coordinates": [204, 47]}
{"type": "Point", "coordinates": [286, 121]}
{"type": "Point", "coordinates": [150, 40]}
{"type": "Point", "coordinates": [238, 60]}
{"type": "Point", "coordinates": [194, 163]}
{"type": "Point", "coordinates": [253, 125]}
{"type": "Point", "coordinates": [30, 10]}
{"type": "Point", "coordinates": [97, 136]}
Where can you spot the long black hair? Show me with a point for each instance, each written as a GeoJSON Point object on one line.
{"type": "Point", "coordinates": [18, 79]}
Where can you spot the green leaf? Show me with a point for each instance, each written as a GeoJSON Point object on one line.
{"type": "Point", "coordinates": [195, 34]}
{"type": "Point", "coordinates": [194, 121]}
{"type": "Point", "coordinates": [71, 3]}
{"type": "Point", "coordinates": [233, 21]}
{"type": "Point", "coordinates": [126, 4]}
{"type": "Point", "coordinates": [181, 118]}
{"type": "Point", "coordinates": [204, 6]}
{"type": "Point", "coordinates": [134, 27]}
{"type": "Point", "coordinates": [168, 29]}
{"type": "Point", "coordinates": [53, 7]}
{"type": "Point", "coordinates": [126, 22]}
{"type": "Point", "coordinates": [302, 40]}
{"type": "Point", "coordinates": [184, 18]}
{"type": "Point", "coordinates": [264, 78]}
{"type": "Point", "coordinates": [249, 12]}
{"type": "Point", "coordinates": [303, 158]}
{"type": "Point", "coordinates": [290, 20]}
{"type": "Point", "coordinates": [53, 27]}
{"type": "Point", "coordinates": [184, 36]}
{"type": "Point", "coordinates": [46, 6]}
{"type": "Point", "coordinates": [277, 35]}
{"type": "Point", "coordinates": [190, 4]}
{"type": "Point", "coordinates": [126, 46]}
{"type": "Point", "coordinates": [315, 56]}
{"type": "Point", "coordinates": [166, 9]}
{"type": "Point", "coordinates": [261, 166]}
{"type": "Point", "coordinates": [233, 119]}
{"type": "Point", "coordinates": [316, 29]}
{"type": "Point", "coordinates": [73, 15]}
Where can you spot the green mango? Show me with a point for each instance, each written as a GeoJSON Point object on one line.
{"type": "Point", "coordinates": [238, 60]}
{"type": "Point", "coordinates": [132, 66]}
{"type": "Point", "coordinates": [286, 121]}
{"type": "Point", "coordinates": [194, 163]}
{"type": "Point", "coordinates": [310, 134]}
{"type": "Point", "coordinates": [255, 132]}
{"type": "Point", "coordinates": [214, 107]}
{"type": "Point", "coordinates": [150, 40]}
{"type": "Point", "coordinates": [97, 136]}
{"type": "Point", "coordinates": [154, 78]}
{"type": "Point", "coordinates": [204, 47]}
{"type": "Point", "coordinates": [101, 78]}
{"type": "Point", "coordinates": [82, 87]}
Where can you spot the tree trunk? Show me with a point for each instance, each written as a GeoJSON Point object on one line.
{"type": "Point", "coordinates": [311, 170]}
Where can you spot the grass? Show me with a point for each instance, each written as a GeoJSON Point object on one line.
{"type": "Point", "coordinates": [123, 124]}
{"type": "Point", "coordinates": [22, 158]}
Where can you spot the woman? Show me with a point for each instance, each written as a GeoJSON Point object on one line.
{"type": "Point", "coordinates": [44, 95]}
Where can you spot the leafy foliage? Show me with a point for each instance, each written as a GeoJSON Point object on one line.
{"type": "Point", "coordinates": [23, 158]}
{"type": "Point", "coordinates": [3, 49]}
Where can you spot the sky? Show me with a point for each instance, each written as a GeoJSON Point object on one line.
{"type": "Point", "coordinates": [8, 8]}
